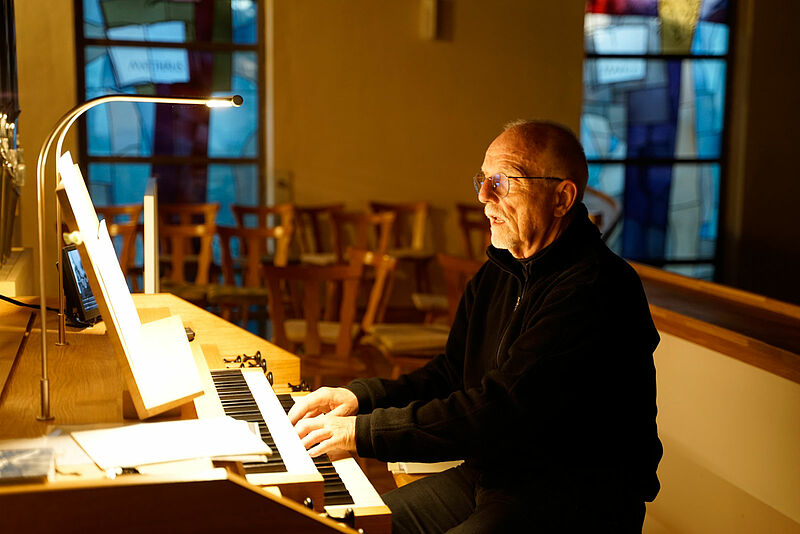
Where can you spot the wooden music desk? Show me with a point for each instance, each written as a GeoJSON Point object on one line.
{"type": "Point", "coordinates": [86, 387]}
{"type": "Point", "coordinates": [85, 377]}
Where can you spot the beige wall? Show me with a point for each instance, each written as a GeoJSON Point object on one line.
{"type": "Point", "coordinates": [368, 110]}
{"type": "Point", "coordinates": [731, 440]}
{"type": "Point", "coordinates": [47, 90]}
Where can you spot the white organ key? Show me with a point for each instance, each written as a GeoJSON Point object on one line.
{"type": "Point", "coordinates": [292, 451]}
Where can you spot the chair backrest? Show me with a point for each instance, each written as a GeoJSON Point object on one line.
{"type": "Point", "coordinates": [314, 281]}
{"type": "Point", "coordinates": [265, 217]}
{"type": "Point", "coordinates": [378, 298]}
{"type": "Point", "coordinates": [472, 221]}
{"type": "Point", "coordinates": [352, 230]}
{"type": "Point", "coordinates": [457, 272]}
{"type": "Point", "coordinates": [604, 210]}
{"type": "Point", "coordinates": [246, 248]}
{"type": "Point", "coordinates": [123, 221]}
{"type": "Point", "coordinates": [186, 231]}
{"type": "Point", "coordinates": [409, 226]}
{"type": "Point", "coordinates": [313, 227]}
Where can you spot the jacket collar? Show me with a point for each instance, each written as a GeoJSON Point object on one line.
{"type": "Point", "coordinates": [555, 256]}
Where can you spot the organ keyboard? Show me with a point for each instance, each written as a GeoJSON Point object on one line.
{"type": "Point", "coordinates": [245, 394]}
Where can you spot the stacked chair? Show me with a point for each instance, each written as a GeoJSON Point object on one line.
{"type": "Point", "coordinates": [324, 331]}
{"type": "Point", "coordinates": [262, 236]}
{"type": "Point", "coordinates": [186, 233]}
{"type": "Point", "coordinates": [123, 226]}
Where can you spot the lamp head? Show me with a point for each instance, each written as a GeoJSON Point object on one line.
{"type": "Point", "coordinates": [228, 102]}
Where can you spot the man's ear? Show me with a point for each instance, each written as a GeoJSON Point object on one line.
{"type": "Point", "coordinates": [566, 195]}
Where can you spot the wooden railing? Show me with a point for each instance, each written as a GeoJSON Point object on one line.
{"type": "Point", "coordinates": [758, 330]}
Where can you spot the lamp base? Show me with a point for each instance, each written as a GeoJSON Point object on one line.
{"type": "Point", "coordinates": [45, 415]}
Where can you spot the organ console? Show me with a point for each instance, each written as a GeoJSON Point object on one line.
{"type": "Point", "coordinates": [88, 385]}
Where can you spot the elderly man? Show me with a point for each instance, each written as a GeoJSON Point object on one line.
{"type": "Point", "coordinates": [547, 384]}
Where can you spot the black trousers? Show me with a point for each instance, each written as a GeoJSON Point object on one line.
{"type": "Point", "coordinates": [455, 502]}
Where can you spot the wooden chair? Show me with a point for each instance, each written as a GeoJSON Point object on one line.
{"type": "Point", "coordinates": [407, 346]}
{"type": "Point", "coordinates": [243, 251]}
{"type": "Point", "coordinates": [313, 232]}
{"type": "Point", "coordinates": [363, 231]}
{"type": "Point", "coordinates": [265, 217]}
{"type": "Point", "coordinates": [472, 222]}
{"type": "Point", "coordinates": [408, 243]}
{"type": "Point", "coordinates": [186, 233]}
{"type": "Point", "coordinates": [457, 272]}
{"type": "Point", "coordinates": [310, 282]}
{"type": "Point", "coordinates": [604, 211]}
{"type": "Point", "coordinates": [123, 221]}
{"type": "Point", "coordinates": [375, 307]}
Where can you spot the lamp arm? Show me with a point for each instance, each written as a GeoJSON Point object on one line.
{"type": "Point", "coordinates": [60, 131]}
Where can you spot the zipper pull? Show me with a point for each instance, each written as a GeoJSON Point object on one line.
{"type": "Point", "coordinates": [517, 304]}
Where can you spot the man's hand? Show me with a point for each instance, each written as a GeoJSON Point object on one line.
{"type": "Point", "coordinates": [326, 433]}
{"type": "Point", "coordinates": [331, 401]}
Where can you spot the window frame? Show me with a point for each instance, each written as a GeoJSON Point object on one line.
{"type": "Point", "coordinates": [721, 160]}
{"type": "Point", "coordinates": [259, 48]}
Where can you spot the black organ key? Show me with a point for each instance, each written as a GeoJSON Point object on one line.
{"type": "Point", "coordinates": [238, 402]}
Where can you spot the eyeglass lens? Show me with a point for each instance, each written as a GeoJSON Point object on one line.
{"type": "Point", "coordinates": [499, 183]}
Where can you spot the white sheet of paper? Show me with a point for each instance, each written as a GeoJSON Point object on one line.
{"type": "Point", "coordinates": [149, 443]}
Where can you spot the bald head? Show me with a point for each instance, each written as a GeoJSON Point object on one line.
{"type": "Point", "coordinates": [548, 149]}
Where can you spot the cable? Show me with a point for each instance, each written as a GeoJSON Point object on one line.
{"type": "Point", "coordinates": [18, 303]}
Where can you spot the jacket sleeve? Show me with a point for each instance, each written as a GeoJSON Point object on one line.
{"type": "Point", "coordinates": [547, 384]}
{"type": "Point", "coordinates": [436, 379]}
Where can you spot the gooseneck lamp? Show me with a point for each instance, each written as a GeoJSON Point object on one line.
{"type": "Point", "coordinates": [58, 133]}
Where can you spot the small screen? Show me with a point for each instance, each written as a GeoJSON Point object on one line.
{"type": "Point", "coordinates": [82, 307]}
{"type": "Point", "coordinates": [81, 280]}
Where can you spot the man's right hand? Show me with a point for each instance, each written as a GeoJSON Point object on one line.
{"type": "Point", "coordinates": [331, 401]}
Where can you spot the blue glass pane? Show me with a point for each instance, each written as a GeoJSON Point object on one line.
{"type": "Point", "coordinates": [608, 178]}
{"type": "Point", "coordinates": [232, 184]}
{"type": "Point", "coordinates": [645, 212]}
{"type": "Point", "coordinates": [637, 34]}
{"type": "Point", "coordinates": [665, 109]}
{"type": "Point", "coordinates": [93, 22]}
{"type": "Point", "coordinates": [124, 18]}
{"type": "Point", "coordinates": [130, 129]}
{"type": "Point", "coordinates": [117, 183]}
{"type": "Point", "coordinates": [233, 132]}
{"type": "Point", "coordinates": [702, 271]}
{"type": "Point", "coordinates": [245, 13]}
{"type": "Point", "coordinates": [710, 38]}
{"type": "Point", "coordinates": [670, 212]}
{"type": "Point", "coordinates": [627, 34]}
{"type": "Point", "coordinates": [709, 77]}
{"type": "Point", "coordinates": [693, 212]}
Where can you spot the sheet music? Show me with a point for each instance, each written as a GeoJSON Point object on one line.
{"type": "Point", "coordinates": [152, 443]}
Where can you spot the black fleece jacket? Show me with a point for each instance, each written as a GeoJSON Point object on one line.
{"type": "Point", "coordinates": [547, 377]}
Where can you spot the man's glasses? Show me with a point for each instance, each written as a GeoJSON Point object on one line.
{"type": "Point", "coordinates": [499, 182]}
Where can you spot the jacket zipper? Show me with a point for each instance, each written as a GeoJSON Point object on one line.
{"type": "Point", "coordinates": [503, 337]}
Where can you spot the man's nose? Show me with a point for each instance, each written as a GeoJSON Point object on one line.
{"type": "Point", "coordinates": [486, 193]}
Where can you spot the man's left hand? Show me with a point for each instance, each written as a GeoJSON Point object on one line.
{"type": "Point", "coordinates": [326, 433]}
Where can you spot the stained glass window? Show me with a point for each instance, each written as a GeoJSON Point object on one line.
{"type": "Point", "coordinates": [653, 124]}
{"type": "Point", "coordinates": [172, 48]}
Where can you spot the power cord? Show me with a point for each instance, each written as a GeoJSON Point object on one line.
{"type": "Point", "coordinates": [18, 303]}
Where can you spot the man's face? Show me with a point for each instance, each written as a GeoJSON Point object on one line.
{"type": "Point", "coordinates": [523, 220]}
